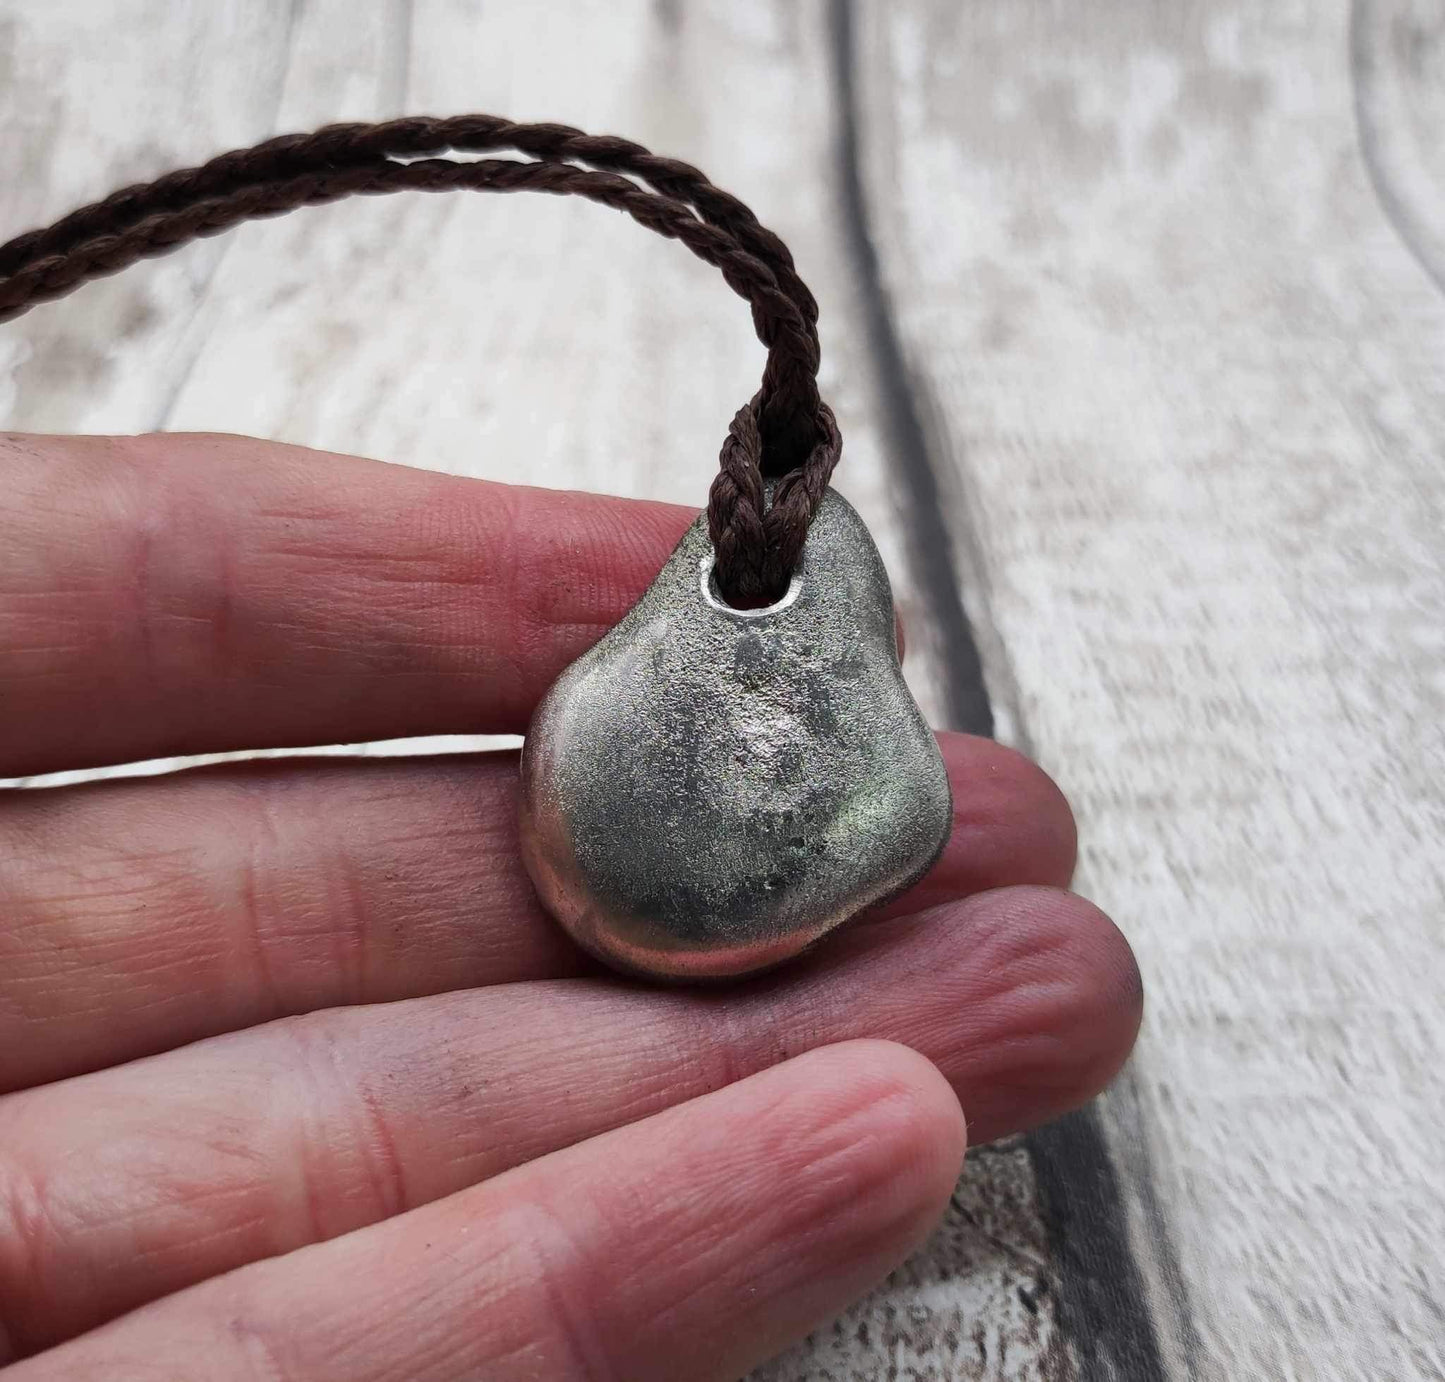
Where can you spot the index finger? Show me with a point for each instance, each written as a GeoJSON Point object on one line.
{"type": "Point", "coordinates": [191, 593]}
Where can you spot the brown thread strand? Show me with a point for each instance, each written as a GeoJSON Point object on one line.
{"type": "Point", "coordinates": [785, 431]}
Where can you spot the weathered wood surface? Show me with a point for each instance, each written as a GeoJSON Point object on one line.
{"type": "Point", "coordinates": [1158, 307]}
{"type": "Point", "coordinates": [1172, 277]}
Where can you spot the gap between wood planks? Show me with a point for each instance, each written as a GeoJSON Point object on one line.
{"type": "Point", "coordinates": [1104, 1310]}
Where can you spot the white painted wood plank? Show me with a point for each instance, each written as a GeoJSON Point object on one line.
{"type": "Point", "coordinates": [88, 107]}
{"type": "Point", "coordinates": [1192, 379]}
{"type": "Point", "coordinates": [517, 338]}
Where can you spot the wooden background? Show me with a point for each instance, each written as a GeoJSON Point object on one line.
{"type": "Point", "coordinates": [1134, 318]}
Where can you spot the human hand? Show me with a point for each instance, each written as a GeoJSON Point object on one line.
{"type": "Point", "coordinates": [300, 1082]}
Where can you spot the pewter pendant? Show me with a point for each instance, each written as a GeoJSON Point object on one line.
{"type": "Point", "coordinates": [708, 791]}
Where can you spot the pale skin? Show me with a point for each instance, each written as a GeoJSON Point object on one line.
{"type": "Point", "coordinates": [299, 1082]}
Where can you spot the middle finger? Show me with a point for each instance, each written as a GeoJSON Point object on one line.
{"type": "Point", "coordinates": [137, 915]}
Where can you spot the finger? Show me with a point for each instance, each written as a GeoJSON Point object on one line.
{"type": "Point", "coordinates": [176, 594]}
{"type": "Point", "coordinates": [695, 1244]}
{"type": "Point", "coordinates": [138, 915]}
{"type": "Point", "coordinates": [131, 1183]}
{"type": "Point", "coordinates": [1011, 824]}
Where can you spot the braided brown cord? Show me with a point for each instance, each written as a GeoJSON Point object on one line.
{"type": "Point", "coordinates": [785, 431]}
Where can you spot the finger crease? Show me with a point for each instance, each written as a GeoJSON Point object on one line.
{"type": "Point", "coordinates": [554, 1254]}
{"type": "Point", "coordinates": [25, 1231]}
{"type": "Point", "coordinates": [253, 925]}
{"type": "Point", "coordinates": [383, 1159]}
{"type": "Point", "coordinates": [257, 1345]}
{"type": "Point", "coordinates": [353, 924]}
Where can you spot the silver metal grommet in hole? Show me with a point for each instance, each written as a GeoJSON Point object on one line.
{"type": "Point", "coordinates": [711, 594]}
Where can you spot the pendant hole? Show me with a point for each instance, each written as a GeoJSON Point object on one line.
{"type": "Point", "coordinates": [713, 595]}
{"type": "Point", "coordinates": [745, 606]}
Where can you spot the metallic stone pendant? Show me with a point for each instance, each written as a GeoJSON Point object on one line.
{"type": "Point", "coordinates": [709, 790]}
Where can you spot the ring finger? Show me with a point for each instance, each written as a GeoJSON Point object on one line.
{"type": "Point", "coordinates": [129, 1183]}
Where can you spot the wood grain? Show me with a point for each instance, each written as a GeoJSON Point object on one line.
{"type": "Point", "coordinates": [1190, 372]}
